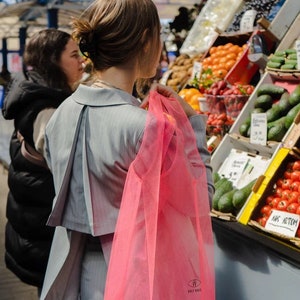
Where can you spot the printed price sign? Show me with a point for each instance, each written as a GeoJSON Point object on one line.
{"type": "Point", "coordinates": [247, 21]}
{"type": "Point", "coordinates": [197, 70]}
{"type": "Point", "coordinates": [283, 223]}
{"type": "Point", "coordinates": [258, 133]}
{"type": "Point", "coordinates": [298, 53]}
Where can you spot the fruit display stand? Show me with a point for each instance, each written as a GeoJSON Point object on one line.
{"type": "Point", "coordinates": [256, 262]}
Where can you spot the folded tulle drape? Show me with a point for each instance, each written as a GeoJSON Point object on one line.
{"type": "Point", "coordinates": [163, 243]}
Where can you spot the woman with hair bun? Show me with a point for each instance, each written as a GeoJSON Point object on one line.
{"type": "Point", "coordinates": [53, 69]}
{"type": "Point", "coordinates": [94, 137]}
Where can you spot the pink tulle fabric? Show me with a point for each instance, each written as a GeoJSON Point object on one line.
{"type": "Point", "coordinates": [163, 243]}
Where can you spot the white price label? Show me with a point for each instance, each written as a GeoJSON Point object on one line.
{"type": "Point", "coordinates": [197, 70]}
{"type": "Point", "coordinates": [283, 223]}
{"type": "Point", "coordinates": [258, 134]}
{"type": "Point", "coordinates": [247, 21]}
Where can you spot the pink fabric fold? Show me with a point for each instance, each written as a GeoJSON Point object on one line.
{"type": "Point", "coordinates": [163, 243]}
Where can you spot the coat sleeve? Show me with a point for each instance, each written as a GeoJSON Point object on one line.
{"type": "Point", "coordinates": [198, 123]}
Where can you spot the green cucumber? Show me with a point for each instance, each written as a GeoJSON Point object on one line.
{"type": "Point", "coordinates": [271, 89]}
{"type": "Point", "coordinates": [291, 51]}
{"type": "Point", "coordinates": [223, 188]}
{"type": "Point", "coordinates": [287, 67]}
{"type": "Point", "coordinates": [276, 133]}
{"type": "Point", "coordinates": [291, 115]}
{"type": "Point", "coordinates": [263, 101]}
{"type": "Point", "coordinates": [241, 195]}
{"type": "Point", "coordinates": [225, 204]}
{"type": "Point", "coordinates": [295, 96]}
{"type": "Point", "coordinates": [278, 59]}
{"type": "Point", "coordinates": [273, 65]}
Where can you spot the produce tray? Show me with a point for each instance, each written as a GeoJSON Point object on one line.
{"type": "Point", "coordinates": [283, 249]}
{"type": "Point", "coordinates": [267, 182]}
{"type": "Point", "coordinates": [284, 74]}
{"type": "Point", "coordinates": [249, 106]}
{"type": "Point", "coordinates": [295, 240]}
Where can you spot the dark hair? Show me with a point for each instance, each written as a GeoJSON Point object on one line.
{"type": "Point", "coordinates": [111, 32]}
{"type": "Point", "coordinates": [42, 54]}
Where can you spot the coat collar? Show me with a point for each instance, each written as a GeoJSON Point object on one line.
{"type": "Point", "coordinates": [91, 96]}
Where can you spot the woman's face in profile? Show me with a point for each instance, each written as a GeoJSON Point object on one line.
{"type": "Point", "coordinates": [72, 63]}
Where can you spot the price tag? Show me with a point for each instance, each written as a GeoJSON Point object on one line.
{"type": "Point", "coordinates": [283, 223]}
{"type": "Point", "coordinates": [234, 166]}
{"type": "Point", "coordinates": [247, 21]}
{"type": "Point", "coordinates": [258, 133]}
{"type": "Point", "coordinates": [298, 53]}
{"type": "Point", "coordinates": [197, 70]}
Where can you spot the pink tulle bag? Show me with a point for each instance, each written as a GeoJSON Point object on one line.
{"type": "Point", "coordinates": [163, 243]}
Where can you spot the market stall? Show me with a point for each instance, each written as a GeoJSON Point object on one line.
{"type": "Point", "coordinates": [254, 137]}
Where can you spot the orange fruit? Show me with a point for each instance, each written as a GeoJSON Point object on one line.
{"type": "Point", "coordinates": [220, 73]}
{"type": "Point", "coordinates": [231, 55]}
{"type": "Point", "coordinates": [229, 64]}
{"type": "Point", "coordinates": [228, 45]}
{"type": "Point", "coordinates": [234, 49]}
{"type": "Point", "coordinates": [212, 50]}
{"type": "Point", "coordinates": [191, 92]}
{"type": "Point", "coordinates": [194, 100]}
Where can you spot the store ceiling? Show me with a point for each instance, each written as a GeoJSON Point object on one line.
{"type": "Point", "coordinates": [15, 13]}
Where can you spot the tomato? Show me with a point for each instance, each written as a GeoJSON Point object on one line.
{"type": "Point", "coordinates": [286, 184]}
{"type": "Point", "coordinates": [295, 175]}
{"type": "Point", "coordinates": [294, 197]}
{"type": "Point", "coordinates": [282, 205]}
{"type": "Point", "coordinates": [275, 202]}
{"type": "Point", "coordinates": [269, 199]}
{"type": "Point", "coordinates": [295, 185]}
{"type": "Point", "coordinates": [262, 221]}
{"type": "Point", "coordinates": [278, 192]}
{"type": "Point", "coordinates": [298, 210]}
{"type": "Point", "coordinates": [279, 182]}
{"type": "Point", "coordinates": [292, 207]}
{"type": "Point", "coordinates": [266, 210]}
{"type": "Point", "coordinates": [298, 233]}
{"type": "Point", "coordinates": [286, 194]}
{"type": "Point", "coordinates": [287, 174]}
{"type": "Point", "coordinates": [296, 165]}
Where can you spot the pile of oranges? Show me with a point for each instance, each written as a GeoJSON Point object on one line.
{"type": "Point", "coordinates": [222, 58]}
{"type": "Point", "coordinates": [191, 96]}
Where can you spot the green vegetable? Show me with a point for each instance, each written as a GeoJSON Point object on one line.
{"type": "Point", "coordinates": [276, 133]}
{"type": "Point", "coordinates": [280, 53]}
{"type": "Point", "coordinates": [291, 51]}
{"type": "Point", "coordinates": [284, 103]}
{"type": "Point", "coordinates": [287, 67]}
{"type": "Point", "coordinates": [292, 56]}
{"type": "Point", "coordinates": [274, 65]}
{"type": "Point", "coordinates": [221, 189]}
{"type": "Point", "coordinates": [278, 59]}
{"type": "Point", "coordinates": [241, 195]}
{"type": "Point", "coordinates": [243, 129]}
{"type": "Point", "coordinates": [225, 204]}
{"type": "Point", "coordinates": [295, 96]}
{"type": "Point", "coordinates": [291, 116]}
{"type": "Point", "coordinates": [263, 101]}
{"type": "Point", "coordinates": [216, 177]}
{"type": "Point", "coordinates": [273, 113]}
{"type": "Point", "coordinates": [273, 90]}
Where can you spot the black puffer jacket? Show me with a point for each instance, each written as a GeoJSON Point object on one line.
{"type": "Point", "coordinates": [31, 189]}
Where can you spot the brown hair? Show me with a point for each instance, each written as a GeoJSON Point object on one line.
{"type": "Point", "coordinates": [42, 54]}
{"type": "Point", "coordinates": [111, 32]}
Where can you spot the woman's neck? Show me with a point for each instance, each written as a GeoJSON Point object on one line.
{"type": "Point", "coordinates": [117, 78]}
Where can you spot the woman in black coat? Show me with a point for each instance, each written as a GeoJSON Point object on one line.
{"type": "Point", "coordinates": [54, 68]}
